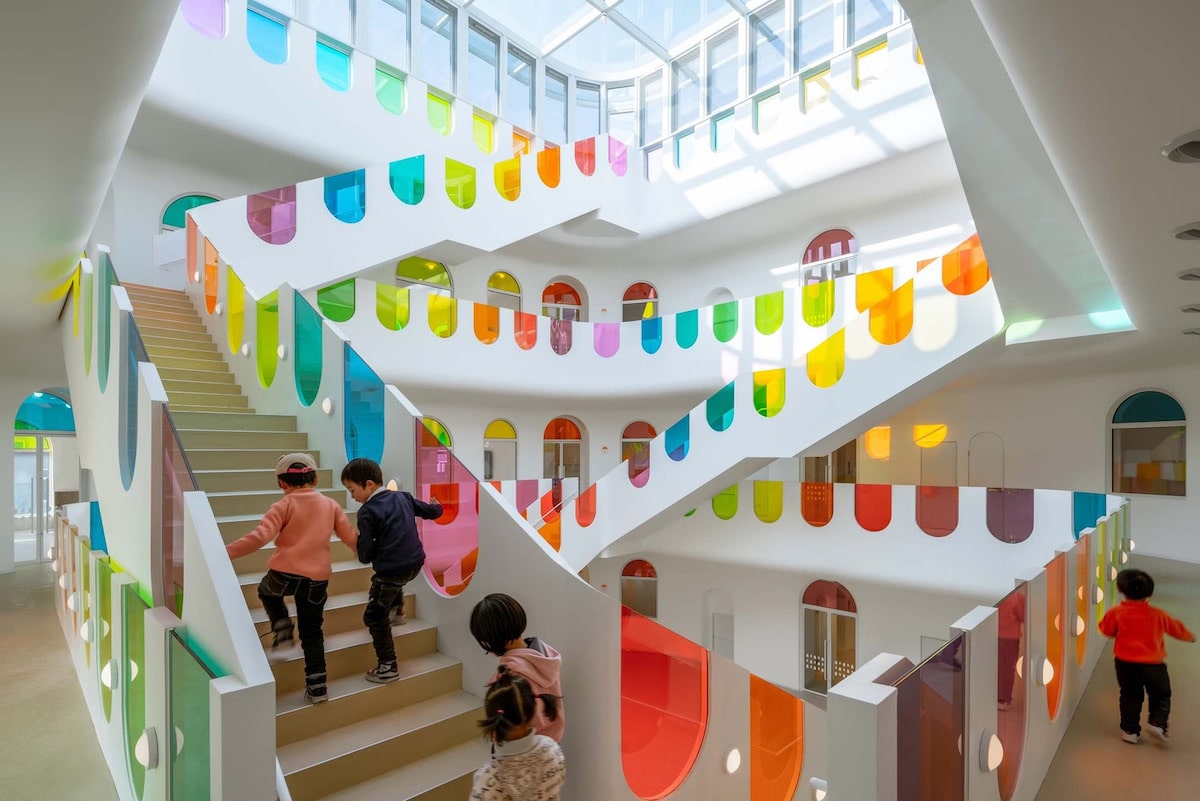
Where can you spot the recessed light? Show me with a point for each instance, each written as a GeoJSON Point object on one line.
{"type": "Point", "coordinates": [1189, 232]}
{"type": "Point", "coordinates": [1184, 149]}
{"type": "Point", "coordinates": [1190, 275]}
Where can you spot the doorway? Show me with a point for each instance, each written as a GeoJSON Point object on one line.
{"type": "Point", "coordinates": [33, 487]}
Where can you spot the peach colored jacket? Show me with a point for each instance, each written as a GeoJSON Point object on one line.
{"type": "Point", "coordinates": [302, 522]}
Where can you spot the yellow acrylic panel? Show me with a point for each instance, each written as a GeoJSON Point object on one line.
{"type": "Point", "coordinates": [891, 320]}
{"type": "Point", "coordinates": [768, 500]}
{"type": "Point", "coordinates": [873, 287]}
{"type": "Point", "coordinates": [438, 111]}
{"type": "Point", "coordinates": [817, 90]}
{"type": "Point", "coordinates": [508, 178]}
{"type": "Point", "coordinates": [392, 306]}
{"type": "Point", "coordinates": [235, 303]}
{"type": "Point", "coordinates": [443, 315]}
{"type": "Point", "coordinates": [770, 391]}
{"type": "Point", "coordinates": [460, 183]}
{"type": "Point", "coordinates": [827, 362]}
{"type": "Point", "coordinates": [483, 130]}
{"type": "Point", "coordinates": [500, 429]}
{"type": "Point", "coordinates": [878, 443]}
{"type": "Point", "coordinates": [929, 435]}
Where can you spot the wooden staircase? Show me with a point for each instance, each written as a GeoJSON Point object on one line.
{"type": "Point", "coordinates": [412, 739]}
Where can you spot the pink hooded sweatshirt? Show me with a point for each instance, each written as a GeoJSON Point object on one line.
{"type": "Point", "coordinates": [539, 664]}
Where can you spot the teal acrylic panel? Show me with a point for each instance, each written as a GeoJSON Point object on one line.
{"type": "Point", "coordinates": [346, 195]}
{"type": "Point", "coordinates": [687, 328]}
{"type": "Point", "coordinates": [678, 439]}
{"type": "Point", "coordinates": [652, 335]}
{"type": "Point", "coordinates": [718, 409]}
{"type": "Point", "coordinates": [43, 411]}
{"type": "Point", "coordinates": [363, 409]}
{"type": "Point", "coordinates": [333, 65]}
{"type": "Point", "coordinates": [96, 528]}
{"type": "Point", "coordinates": [105, 280]}
{"type": "Point", "coordinates": [1087, 508]}
{"type": "Point", "coordinates": [127, 411]}
{"type": "Point", "coordinates": [308, 337]}
{"type": "Point", "coordinates": [407, 178]}
{"type": "Point", "coordinates": [267, 37]}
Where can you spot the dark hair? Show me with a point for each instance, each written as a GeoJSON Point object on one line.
{"type": "Point", "coordinates": [496, 621]}
{"type": "Point", "coordinates": [510, 704]}
{"type": "Point", "coordinates": [300, 479]}
{"type": "Point", "coordinates": [360, 471]}
{"type": "Point", "coordinates": [1136, 585]}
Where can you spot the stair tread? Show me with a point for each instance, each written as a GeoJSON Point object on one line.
{"type": "Point", "coordinates": [340, 601]}
{"type": "Point", "coordinates": [344, 640]}
{"type": "Point", "coordinates": [249, 579]}
{"type": "Point", "coordinates": [352, 685]}
{"type": "Point", "coordinates": [412, 780]}
{"type": "Point", "coordinates": [330, 745]}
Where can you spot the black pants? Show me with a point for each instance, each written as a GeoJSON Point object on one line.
{"type": "Point", "coordinates": [387, 592]}
{"type": "Point", "coordinates": [310, 598]}
{"type": "Point", "coordinates": [1134, 678]}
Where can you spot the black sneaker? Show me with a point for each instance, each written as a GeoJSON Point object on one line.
{"type": "Point", "coordinates": [283, 630]}
{"type": "Point", "coordinates": [383, 673]}
{"type": "Point", "coordinates": [315, 690]}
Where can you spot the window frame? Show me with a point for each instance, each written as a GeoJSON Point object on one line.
{"type": "Point", "coordinates": [513, 53]}
{"type": "Point", "coordinates": [421, 60]}
{"type": "Point", "coordinates": [696, 81]}
{"type": "Point", "coordinates": [493, 39]}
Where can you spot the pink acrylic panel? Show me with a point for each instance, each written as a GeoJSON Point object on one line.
{"type": "Point", "coordinates": [606, 338]}
{"type": "Point", "coordinates": [206, 16]}
{"type": "Point", "coordinates": [585, 156]}
{"type": "Point", "coordinates": [452, 541]}
{"type": "Point", "coordinates": [527, 493]}
{"type": "Point", "coordinates": [618, 157]}
{"type": "Point", "coordinates": [560, 336]}
{"type": "Point", "coordinates": [873, 506]}
{"type": "Point", "coordinates": [272, 215]}
{"type": "Point", "coordinates": [937, 510]}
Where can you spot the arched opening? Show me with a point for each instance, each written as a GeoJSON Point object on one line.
{"type": "Point", "coordinates": [174, 216]}
{"type": "Point", "coordinates": [830, 635]}
{"type": "Point", "coordinates": [419, 272]}
{"type": "Point", "coordinates": [45, 470]}
{"type": "Point", "coordinates": [640, 302]}
{"type": "Point", "coordinates": [639, 587]}
{"type": "Point", "coordinates": [985, 460]}
{"type": "Point", "coordinates": [1149, 445]}
{"type": "Point", "coordinates": [635, 449]}
{"type": "Point", "coordinates": [562, 300]}
{"type": "Point", "coordinates": [562, 449]}
{"type": "Point", "coordinates": [717, 296]}
{"type": "Point", "coordinates": [831, 254]}
{"type": "Point", "coordinates": [499, 451]}
{"type": "Point", "coordinates": [504, 291]}
{"type": "Point", "coordinates": [435, 450]}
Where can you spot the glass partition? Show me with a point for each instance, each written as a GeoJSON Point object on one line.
{"type": "Point", "coordinates": [104, 600]}
{"type": "Point", "coordinates": [931, 727]}
{"type": "Point", "coordinates": [308, 341]}
{"type": "Point", "coordinates": [133, 682]}
{"type": "Point", "coordinates": [452, 541]}
{"type": "Point", "coordinates": [776, 741]}
{"type": "Point", "coordinates": [266, 335]}
{"type": "Point", "coordinates": [189, 727]}
{"type": "Point", "coordinates": [363, 408]}
{"type": "Point", "coordinates": [1010, 513]}
{"type": "Point", "coordinates": [177, 478]}
{"type": "Point", "coordinates": [1011, 686]}
{"type": "Point", "coordinates": [1056, 623]}
{"type": "Point", "coordinates": [272, 215]}
{"type": "Point", "coordinates": [127, 420]}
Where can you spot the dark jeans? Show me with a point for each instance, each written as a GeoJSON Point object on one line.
{"type": "Point", "coordinates": [310, 598]}
{"type": "Point", "coordinates": [1134, 678]}
{"type": "Point", "coordinates": [387, 592]}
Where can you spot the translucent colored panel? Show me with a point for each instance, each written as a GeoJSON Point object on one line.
{"type": "Point", "coordinates": [618, 158]}
{"type": "Point", "coordinates": [652, 335]}
{"type": "Point", "coordinates": [1082, 560]}
{"type": "Point", "coordinates": [1100, 538]}
{"type": "Point", "coordinates": [443, 315]}
{"type": "Point", "coordinates": [878, 442]}
{"type": "Point", "coordinates": [307, 335]}
{"type": "Point", "coordinates": [452, 541]}
{"type": "Point", "coordinates": [72, 288]}
{"type": "Point", "coordinates": [438, 110]}
{"type": "Point", "coordinates": [127, 421]}
{"type": "Point", "coordinates": [525, 330]}
{"type": "Point", "coordinates": [206, 16]}
{"type": "Point", "coordinates": [133, 681]}
{"type": "Point", "coordinates": [551, 530]}
{"type": "Point", "coordinates": [487, 323]}
{"type": "Point", "coordinates": [1010, 514]}
{"type": "Point", "coordinates": [638, 464]}
{"type": "Point", "coordinates": [521, 145]}
{"type": "Point", "coordinates": [392, 306]}
{"type": "Point", "coordinates": [235, 312]}
{"type": "Point", "coordinates": [872, 287]}
{"type": "Point", "coordinates": [560, 336]}
{"type": "Point", "coordinates": [873, 506]}
{"type": "Point", "coordinates": [336, 301]}
{"type": "Point", "coordinates": [346, 195]}
{"type": "Point", "coordinates": [768, 313]}
{"type": "Point", "coordinates": [527, 492]}
{"type": "Point", "coordinates": [104, 284]}
{"type": "Point", "coordinates": [776, 741]}
{"type": "Point", "coordinates": [175, 214]}
{"type": "Point", "coordinates": [407, 179]}
{"type": "Point", "coordinates": [104, 600]}
{"type": "Point", "coordinates": [177, 479]}
{"type": "Point", "coordinates": [504, 282]}
{"type": "Point", "coordinates": [664, 705]}
{"type": "Point", "coordinates": [606, 338]}
{"type": "Point", "coordinates": [266, 327]}
{"type": "Point", "coordinates": [333, 65]}
{"type": "Point", "coordinates": [965, 269]}
{"type": "Point", "coordinates": [507, 175]}
{"type": "Point", "coordinates": [43, 411]}
{"type": "Point", "coordinates": [460, 183]}
{"type": "Point", "coordinates": [85, 607]}
{"type": "Point", "coordinates": [816, 502]}
{"type": "Point", "coordinates": [549, 166]}
{"type": "Point", "coordinates": [423, 271]}
{"type": "Point", "coordinates": [678, 439]}
{"type": "Point", "coordinates": [931, 717]}
{"type": "Point", "coordinates": [1148, 407]}
{"type": "Point", "coordinates": [725, 503]}
{"type": "Point", "coordinates": [585, 156]}
{"type": "Point", "coordinates": [817, 303]}
{"type": "Point", "coordinates": [272, 215]}
{"type": "Point", "coordinates": [482, 131]}
{"type": "Point", "coordinates": [768, 500]}
{"type": "Point", "coordinates": [96, 535]}
{"type": "Point", "coordinates": [1012, 686]}
{"type": "Point", "coordinates": [891, 320]}
{"type": "Point", "coordinates": [687, 328]}
{"type": "Point", "coordinates": [212, 263]}
{"type": "Point", "coordinates": [1056, 629]}
{"type": "Point", "coordinates": [827, 361]}
{"type": "Point", "coordinates": [500, 429]}
{"type": "Point", "coordinates": [719, 408]}
{"type": "Point", "coordinates": [725, 321]}
{"type": "Point", "coordinates": [389, 91]}
{"type": "Point", "coordinates": [770, 391]}
{"type": "Point", "coordinates": [189, 729]}
{"type": "Point", "coordinates": [585, 507]}
{"type": "Point", "coordinates": [267, 37]}
{"type": "Point", "coordinates": [929, 435]}
{"type": "Point", "coordinates": [937, 510]}
{"type": "Point", "coordinates": [362, 409]}
{"type": "Point", "coordinates": [436, 433]}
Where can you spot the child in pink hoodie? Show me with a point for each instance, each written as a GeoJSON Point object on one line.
{"type": "Point", "coordinates": [498, 625]}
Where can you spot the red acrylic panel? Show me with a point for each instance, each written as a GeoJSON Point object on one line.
{"type": "Point", "coordinates": [585, 156]}
{"type": "Point", "coordinates": [525, 329]}
{"type": "Point", "coordinates": [1010, 513]}
{"type": "Point", "coordinates": [937, 510]}
{"type": "Point", "coordinates": [452, 541]}
{"type": "Point", "coordinates": [873, 506]}
{"type": "Point", "coordinates": [776, 741]}
{"type": "Point", "coordinates": [829, 595]}
{"type": "Point", "coordinates": [664, 705]}
{"type": "Point", "coordinates": [816, 503]}
{"type": "Point", "coordinates": [585, 507]}
{"type": "Point", "coordinates": [931, 718]}
{"type": "Point", "coordinates": [1056, 629]}
{"type": "Point", "coordinates": [1011, 683]}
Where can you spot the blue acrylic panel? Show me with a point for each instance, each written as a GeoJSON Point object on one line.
{"type": "Point", "coordinates": [267, 37]}
{"type": "Point", "coordinates": [407, 178]}
{"type": "Point", "coordinates": [719, 408]}
{"type": "Point", "coordinates": [333, 65]}
{"type": "Point", "coordinates": [363, 409]}
{"type": "Point", "coordinates": [687, 328]}
{"type": "Point", "coordinates": [308, 338]}
{"type": "Point", "coordinates": [678, 439]}
{"type": "Point", "coordinates": [652, 334]}
{"type": "Point", "coordinates": [96, 527]}
{"type": "Point", "coordinates": [346, 195]}
{"type": "Point", "coordinates": [1088, 507]}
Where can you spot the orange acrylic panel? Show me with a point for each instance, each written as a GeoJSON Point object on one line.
{"type": "Point", "coordinates": [1056, 629]}
{"type": "Point", "coordinates": [965, 269]}
{"type": "Point", "coordinates": [508, 178]}
{"type": "Point", "coordinates": [776, 741]}
{"type": "Point", "coordinates": [891, 319]}
{"type": "Point", "coordinates": [873, 287]}
{"type": "Point", "coordinates": [549, 166]}
{"type": "Point", "coordinates": [525, 329]}
{"type": "Point", "coordinates": [585, 507]}
{"type": "Point", "coordinates": [487, 323]}
{"type": "Point", "coordinates": [827, 362]}
{"type": "Point", "coordinates": [1083, 560]}
{"type": "Point", "coordinates": [211, 260]}
{"type": "Point", "coordinates": [664, 706]}
{"type": "Point", "coordinates": [551, 530]}
{"type": "Point", "coordinates": [816, 502]}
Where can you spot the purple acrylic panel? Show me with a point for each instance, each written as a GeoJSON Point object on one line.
{"type": "Point", "coordinates": [272, 215]}
{"type": "Point", "coordinates": [931, 718]}
{"type": "Point", "coordinates": [618, 157]}
{"type": "Point", "coordinates": [560, 336]}
{"type": "Point", "coordinates": [1010, 513]}
{"type": "Point", "coordinates": [206, 16]}
{"type": "Point", "coordinates": [607, 338]}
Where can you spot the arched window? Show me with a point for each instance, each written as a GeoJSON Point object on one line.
{"type": "Point", "coordinates": [504, 291]}
{"type": "Point", "coordinates": [717, 296]}
{"type": "Point", "coordinates": [416, 271]}
{"type": "Point", "coordinates": [640, 302]}
{"type": "Point", "coordinates": [831, 254]}
{"type": "Point", "coordinates": [830, 635]}
{"type": "Point", "coordinates": [635, 439]}
{"type": "Point", "coordinates": [174, 216]}
{"type": "Point", "coordinates": [562, 445]}
{"type": "Point", "coordinates": [499, 451]}
{"type": "Point", "coordinates": [1149, 452]}
{"type": "Point", "coordinates": [434, 453]}
{"type": "Point", "coordinates": [639, 587]}
{"type": "Point", "coordinates": [562, 301]}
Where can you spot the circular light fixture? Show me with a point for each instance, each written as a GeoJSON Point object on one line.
{"type": "Point", "coordinates": [819, 787]}
{"type": "Point", "coordinates": [218, 309]}
{"type": "Point", "coordinates": [1079, 593]}
{"type": "Point", "coordinates": [733, 760]}
{"type": "Point", "coordinates": [327, 405]}
{"type": "Point", "coordinates": [393, 485]}
{"type": "Point", "coordinates": [85, 631]}
{"type": "Point", "coordinates": [246, 349]}
{"type": "Point", "coordinates": [50, 552]}
{"type": "Point", "coordinates": [1020, 667]}
{"type": "Point", "coordinates": [1183, 149]}
{"type": "Point", "coordinates": [1131, 546]}
{"type": "Point", "coordinates": [1047, 672]}
{"type": "Point", "coordinates": [1099, 595]}
{"type": "Point", "coordinates": [133, 671]}
{"type": "Point", "coordinates": [1080, 625]}
{"type": "Point", "coordinates": [991, 751]}
{"type": "Point", "coordinates": [72, 603]}
{"type": "Point", "coordinates": [1124, 561]}
{"type": "Point", "coordinates": [281, 351]}
{"type": "Point", "coordinates": [1113, 574]}
{"type": "Point", "coordinates": [195, 276]}
{"type": "Point", "coordinates": [109, 673]}
{"type": "Point", "coordinates": [146, 750]}
{"type": "Point", "coordinates": [1058, 622]}
{"type": "Point", "coordinates": [62, 581]}
{"type": "Point", "coordinates": [54, 565]}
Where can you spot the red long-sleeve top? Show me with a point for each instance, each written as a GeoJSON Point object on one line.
{"type": "Point", "coordinates": [302, 521]}
{"type": "Point", "coordinates": [1139, 628]}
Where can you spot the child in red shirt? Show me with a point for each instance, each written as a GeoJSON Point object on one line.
{"type": "Point", "coordinates": [1140, 655]}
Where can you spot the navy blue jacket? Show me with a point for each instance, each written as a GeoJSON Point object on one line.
{"type": "Point", "coordinates": [387, 532]}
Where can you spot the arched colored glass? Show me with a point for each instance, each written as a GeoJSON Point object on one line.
{"type": "Point", "coordinates": [1010, 513]}
{"type": "Point", "coordinates": [389, 91]}
{"type": "Point", "coordinates": [768, 313]}
{"type": "Point", "coordinates": [664, 705]}
{"type": "Point", "coordinates": [407, 179]}
{"type": "Point", "coordinates": [336, 301]}
{"type": "Point", "coordinates": [127, 427]}
{"type": "Point", "coordinates": [267, 37]}
{"type": "Point", "coordinates": [504, 282]}
{"type": "Point", "coordinates": [873, 506]}
{"type": "Point", "coordinates": [965, 269]}
{"type": "Point", "coordinates": [826, 362]}
{"type": "Point", "coordinates": [937, 510]}
{"type": "Point", "coordinates": [88, 302]}
{"type": "Point", "coordinates": [392, 306]}
{"type": "Point", "coordinates": [175, 215]}
{"type": "Point", "coordinates": [1083, 560]}
{"type": "Point", "coordinates": [549, 166]}
{"type": "Point", "coordinates": [1012, 648]}
{"type": "Point", "coordinates": [816, 502]}
{"type": "Point", "coordinates": [443, 315]}
{"type": "Point", "coordinates": [652, 335]}
{"type": "Point", "coordinates": [266, 335]}
{"type": "Point", "coordinates": [105, 281]}
{"type": "Point", "coordinates": [1056, 629]}
{"type": "Point", "coordinates": [333, 66]}
{"type": "Point", "coordinates": [460, 183]}
{"type": "Point", "coordinates": [585, 156]}
{"type": "Point", "coordinates": [768, 500]}
{"type": "Point", "coordinates": [272, 215]}
{"type": "Point", "coordinates": [205, 16]}
{"type": "Point", "coordinates": [1149, 407]}
{"type": "Point", "coordinates": [133, 677]}
{"type": "Point", "coordinates": [483, 132]}
{"type": "Point", "coordinates": [346, 196]}
{"type": "Point", "coordinates": [235, 311]}
{"type": "Point", "coordinates": [212, 265]}
{"type": "Point", "coordinates": [770, 391]}
{"type": "Point", "coordinates": [891, 320]}
{"type": "Point", "coordinates": [725, 320]}
{"type": "Point", "coordinates": [437, 109]}
{"type": "Point", "coordinates": [687, 328]}
{"type": "Point", "coordinates": [525, 330]}
{"type": "Point", "coordinates": [560, 336]}
{"type": "Point", "coordinates": [585, 507]}
{"type": "Point", "coordinates": [618, 158]}
{"type": "Point", "coordinates": [308, 339]}
{"type": "Point", "coordinates": [500, 429]}
{"type": "Point", "coordinates": [817, 303]}
{"type": "Point", "coordinates": [487, 323]}
{"type": "Point", "coordinates": [508, 178]}
{"type": "Point", "coordinates": [452, 541]}
{"type": "Point", "coordinates": [362, 408]}
{"type": "Point", "coordinates": [725, 503]}
{"type": "Point", "coordinates": [606, 338]}
{"type": "Point", "coordinates": [776, 741]}
{"type": "Point", "coordinates": [424, 271]}
{"type": "Point", "coordinates": [678, 439]}
{"type": "Point", "coordinates": [718, 409]}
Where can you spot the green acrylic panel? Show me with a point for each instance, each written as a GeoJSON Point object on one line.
{"type": "Point", "coordinates": [725, 503]}
{"type": "Point", "coordinates": [687, 328]}
{"type": "Point", "coordinates": [133, 681]}
{"type": "Point", "coordinates": [104, 600]}
{"type": "Point", "coordinates": [718, 409]}
{"type": "Point", "coordinates": [407, 178]}
{"type": "Point", "coordinates": [88, 302]}
{"type": "Point", "coordinates": [768, 313]}
{"type": "Point", "coordinates": [817, 303]}
{"type": "Point", "coordinates": [336, 301]}
{"type": "Point", "coordinates": [308, 336]}
{"type": "Point", "coordinates": [438, 110]}
{"type": "Point", "coordinates": [266, 327]}
{"type": "Point", "coordinates": [725, 321]}
{"type": "Point", "coordinates": [768, 500]}
{"type": "Point", "coordinates": [105, 281]}
{"type": "Point", "coordinates": [87, 625]}
{"type": "Point", "coordinates": [460, 183]}
{"type": "Point", "coordinates": [770, 391]}
{"type": "Point", "coordinates": [389, 91]}
{"type": "Point", "coordinates": [482, 130]}
{"type": "Point", "coordinates": [188, 731]}
{"type": "Point", "coordinates": [392, 306]}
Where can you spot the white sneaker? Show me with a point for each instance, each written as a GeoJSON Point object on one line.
{"type": "Point", "coordinates": [1132, 739]}
{"type": "Point", "coordinates": [1158, 733]}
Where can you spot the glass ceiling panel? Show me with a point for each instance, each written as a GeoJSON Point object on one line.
{"type": "Point", "coordinates": [535, 20]}
{"type": "Point", "coordinates": [603, 48]}
{"type": "Point", "coordinates": [673, 22]}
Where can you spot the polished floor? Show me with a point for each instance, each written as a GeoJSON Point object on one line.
{"type": "Point", "coordinates": [50, 749]}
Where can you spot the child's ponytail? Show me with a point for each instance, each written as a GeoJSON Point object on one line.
{"type": "Point", "coordinates": [510, 705]}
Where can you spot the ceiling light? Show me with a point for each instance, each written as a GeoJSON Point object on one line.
{"type": "Point", "coordinates": [1189, 232]}
{"type": "Point", "coordinates": [1184, 149]}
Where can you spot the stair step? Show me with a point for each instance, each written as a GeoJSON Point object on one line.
{"type": "Point", "coordinates": [206, 387]}
{"type": "Point", "coordinates": [242, 502]}
{"type": "Point", "coordinates": [321, 765]}
{"type": "Point", "coordinates": [215, 457]}
{"type": "Point", "coordinates": [347, 577]}
{"type": "Point", "coordinates": [177, 305]}
{"type": "Point", "coordinates": [158, 352]}
{"type": "Point", "coordinates": [205, 345]}
{"type": "Point", "coordinates": [148, 289]}
{"type": "Point", "coordinates": [446, 776]}
{"type": "Point", "coordinates": [234, 526]}
{"type": "Point", "coordinates": [154, 327]}
{"type": "Point", "coordinates": [231, 399]}
{"type": "Point", "coordinates": [218, 421]}
{"type": "Point", "coordinates": [199, 407]}
{"type": "Point", "coordinates": [279, 441]}
{"type": "Point", "coordinates": [215, 376]}
{"type": "Point", "coordinates": [342, 612]}
{"type": "Point", "coordinates": [187, 363]}
{"type": "Point", "coordinates": [351, 654]}
{"type": "Point", "coordinates": [151, 317]}
{"type": "Point", "coordinates": [249, 480]}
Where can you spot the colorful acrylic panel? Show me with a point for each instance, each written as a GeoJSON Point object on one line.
{"type": "Point", "coordinates": [267, 37]}
{"type": "Point", "coordinates": [193, 238]}
{"type": "Point", "coordinates": [452, 541]}
{"type": "Point", "coordinates": [487, 323]}
{"type": "Point", "coordinates": [678, 439]}
{"type": "Point", "coordinates": [891, 320]}
{"type": "Point", "coordinates": [817, 303]}
{"type": "Point", "coordinates": [1011, 686]}
{"type": "Point", "coordinates": [725, 503]}
{"type": "Point", "coordinates": [507, 175]}
{"type": "Point", "coordinates": [483, 132]}
{"type": "Point", "coordinates": [873, 506]}
{"type": "Point", "coordinates": [725, 321]}
{"type": "Point", "coordinates": [333, 66]}
{"type": "Point", "coordinates": [188, 733]}
{"type": "Point", "coordinates": [105, 279]}
{"type": "Point", "coordinates": [336, 301]}
{"type": "Point", "coordinates": [266, 335]}
{"type": "Point", "coordinates": [272, 215]}
{"type": "Point", "coordinates": [687, 328]}
{"type": "Point", "coordinates": [770, 391]}
{"type": "Point", "coordinates": [1083, 559]}
{"type": "Point", "coordinates": [768, 313]}
{"type": "Point", "coordinates": [87, 291]}
{"type": "Point", "coordinates": [560, 336]}
{"type": "Point", "coordinates": [235, 309]}
{"type": "Point", "coordinates": [85, 623]}
{"type": "Point", "coordinates": [443, 315]}
{"type": "Point", "coordinates": [307, 336]}
{"type": "Point", "coordinates": [176, 479]}
{"type": "Point", "coordinates": [816, 502]}
{"type": "Point", "coordinates": [1010, 514]}
{"type": "Point", "coordinates": [618, 157]}
{"type": "Point", "coordinates": [96, 535]}
{"type": "Point", "coordinates": [212, 266]}
{"type": "Point", "coordinates": [931, 719]}
{"type": "Point", "coordinates": [362, 408]}
{"type": "Point", "coordinates": [965, 269]}
{"type": "Point", "coordinates": [460, 183]}
{"type": "Point", "coordinates": [525, 330]}
{"type": "Point", "coordinates": [521, 144]}
{"type": "Point", "coordinates": [872, 287]}
{"type": "Point", "coordinates": [346, 195]}
{"type": "Point", "coordinates": [1100, 541]}
{"type": "Point", "coordinates": [1056, 629]}
{"type": "Point", "coordinates": [133, 681]}
{"type": "Point", "coordinates": [206, 16]}
{"type": "Point", "coordinates": [392, 306]}
{"type": "Point", "coordinates": [606, 339]}
{"type": "Point", "coordinates": [407, 179]}
{"type": "Point", "coordinates": [585, 507]}
{"type": "Point", "coordinates": [638, 464]}
{"type": "Point", "coordinates": [127, 415]}
{"type": "Point", "coordinates": [718, 409]}
{"type": "Point", "coordinates": [776, 741]}
{"type": "Point", "coordinates": [104, 638]}
{"type": "Point", "coordinates": [768, 500]}
{"type": "Point", "coordinates": [652, 335]}
{"type": "Point", "coordinates": [585, 156]}
{"type": "Point", "coordinates": [389, 91]}
{"type": "Point", "coordinates": [437, 109]}
{"type": "Point", "coordinates": [878, 443]}
{"type": "Point", "coordinates": [664, 705]}
{"type": "Point", "coordinates": [549, 166]}
{"type": "Point", "coordinates": [937, 510]}
{"type": "Point", "coordinates": [1087, 508]}
{"type": "Point", "coordinates": [826, 363]}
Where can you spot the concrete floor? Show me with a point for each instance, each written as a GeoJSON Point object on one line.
{"type": "Point", "coordinates": [49, 747]}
